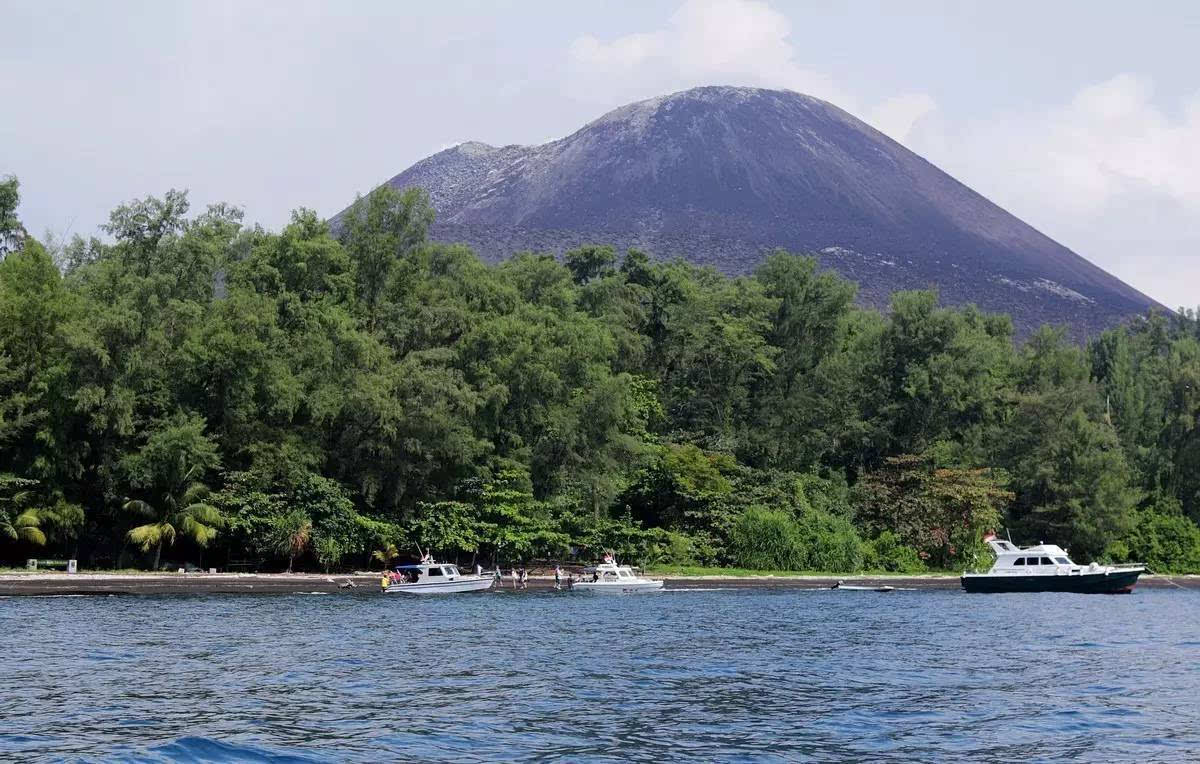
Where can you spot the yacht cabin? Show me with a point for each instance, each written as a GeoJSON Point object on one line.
{"type": "Point", "coordinates": [1044, 559]}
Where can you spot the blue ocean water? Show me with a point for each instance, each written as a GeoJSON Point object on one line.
{"type": "Point", "coordinates": [734, 675]}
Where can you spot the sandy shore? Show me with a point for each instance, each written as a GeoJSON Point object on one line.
{"type": "Point", "coordinates": [44, 584]}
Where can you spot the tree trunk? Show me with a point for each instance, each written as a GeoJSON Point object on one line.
{"type": "Point", "coordinates": [291, 558]}
{"type": "Point", "coordinates": [157, 556]}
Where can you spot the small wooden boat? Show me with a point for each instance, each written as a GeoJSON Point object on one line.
{"type": "Point", "coordinates": [855, 588]}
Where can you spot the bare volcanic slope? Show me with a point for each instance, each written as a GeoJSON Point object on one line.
{"type": "Point", "coordinates": [721, 176]}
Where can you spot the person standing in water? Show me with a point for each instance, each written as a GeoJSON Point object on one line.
{"type": "Point", "coordinates": [557, 577]}
{"type": "Point", "coordinates": [514, 578]}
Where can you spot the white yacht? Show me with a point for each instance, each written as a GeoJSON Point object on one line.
{"type": "Point", "coordinates": [609, 577]}
{"type": "Point", "coordinates": [1047, 568]}
{"type": "Point", "coordinates": [429, 577]}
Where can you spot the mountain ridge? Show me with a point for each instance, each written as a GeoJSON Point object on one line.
{"type": "Point", "coordinates": [721, 176]}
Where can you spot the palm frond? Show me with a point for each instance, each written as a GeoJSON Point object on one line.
{"type": "Point", "coordinates": [200, 522]}
{"type": "Point", "coordinates": [146, 537]}
{"type": "Point", "coordinates": [205, 513]}
{"type": "Point", "coordinates": [32, 534]}
{"type": "Point", "coordinates": [139, 507]}
{"type": "Point", "coordinates": [28, 519]}
{"type": "Point", "coordinates": [194, 493]}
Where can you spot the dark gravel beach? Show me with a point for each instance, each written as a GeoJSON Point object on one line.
{"type": "Point", "coordinates": [46, 584]}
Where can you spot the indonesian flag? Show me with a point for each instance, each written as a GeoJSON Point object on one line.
{"type": "Point", "coordinates": [608, 557]}
{"type": "Point", "coordinates": [989, 536]}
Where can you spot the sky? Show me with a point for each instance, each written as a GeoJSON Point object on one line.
{"type": "Point", "coordinates": [1082, 118]}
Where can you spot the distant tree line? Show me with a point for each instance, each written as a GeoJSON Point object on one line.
{"type": "Point", "coordinates": [193, 389]}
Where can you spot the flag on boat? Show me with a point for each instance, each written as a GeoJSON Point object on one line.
{"type": "Point", "coordinates": [989, 536]}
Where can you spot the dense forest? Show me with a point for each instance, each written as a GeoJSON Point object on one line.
{"type": "Point", "coordinates": [191, 389]}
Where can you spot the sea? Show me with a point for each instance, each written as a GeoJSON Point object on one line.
{"type": "Point", "coordinates": [684, 675]}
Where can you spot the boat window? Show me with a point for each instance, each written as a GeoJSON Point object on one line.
{"type": "Point", "coordinates": [451, 570]}
{"type": "Point", "coordinates": [435, 571]}
{"type": "Point", "coordinates": [1019, 561]}
{"type": "Point", "coordinates": [1047, 561]}
{"type": "Point", "coordinates": [1031, 561]}
{"type": "Point", "coordinates": [1062, 560]}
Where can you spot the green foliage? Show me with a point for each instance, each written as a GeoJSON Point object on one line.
{"type": "Point", "coordinates": [885, 552]}
{"type": "Point", "coordinates": [766, 539]}
{"type": "Point", "coordinates": [292, 535]}
{"type": "Point", "coordinates": [356, 382]}
{"type": "Point", "coordinates": [941, 512]}
{"type": "Point", "coordinates": [829, 543]}
{"type": "Point", "coordinates": [1167, 542]}
{"type": "Point", "coordinates": [11, 231]}
{"type": "Point", "coordinates": [1070, 476]}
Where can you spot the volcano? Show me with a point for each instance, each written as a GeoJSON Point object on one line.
{"type": "Point", "coordinates": [721, 176]}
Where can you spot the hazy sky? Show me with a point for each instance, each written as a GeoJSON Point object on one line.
{"type": "Point", "coordinates": [1082, 118]}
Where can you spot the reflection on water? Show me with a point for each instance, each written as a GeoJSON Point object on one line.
{"type": "Point", "coordinates": [702, 675]}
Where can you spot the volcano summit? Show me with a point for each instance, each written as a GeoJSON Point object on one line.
{"type": "Point", "coordinates": [720, 176]}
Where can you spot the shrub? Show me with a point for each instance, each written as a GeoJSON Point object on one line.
{"type": "Point", "coordinates": [830, 543]}
{"type": "Point", "coordinates": [887, 553]}
{"type": "Point", "coordinates": [766, 539]}
{"type": "Point", "coordinates": [1167, 543]}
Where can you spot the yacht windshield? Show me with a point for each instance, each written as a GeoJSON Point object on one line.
{"type": "Point", "coordinates": [1062, 560]}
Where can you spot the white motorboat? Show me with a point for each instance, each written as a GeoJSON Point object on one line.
{"type": "Point", "coordinates": [429, 577]}
{"type": "Point", "coordinates": [1047, 568]}
{"type": "Point", "coordinates": [611, 578]}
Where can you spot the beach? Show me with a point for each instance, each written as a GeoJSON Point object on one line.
{"type": "Point", "coordinates": [97, 583]}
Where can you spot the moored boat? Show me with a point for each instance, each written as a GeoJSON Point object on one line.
{"type": "Point", "coordinates": [860, 588]}
{"type": "Point", "coordinates": [610, 578]}
{"type": "Point", "coordinates": [1047, 568]}
{"type": "Point", "coordinates": [429, 577]}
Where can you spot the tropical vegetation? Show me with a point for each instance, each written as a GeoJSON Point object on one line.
{"type": "Point", "coordinates": [339, 394]}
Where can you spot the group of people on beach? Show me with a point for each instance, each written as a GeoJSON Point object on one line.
{"type": "Point", "coordinates": [520, 577]}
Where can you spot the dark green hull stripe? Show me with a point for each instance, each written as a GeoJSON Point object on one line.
{"type": "Point", "coordinates": [1088, 583]}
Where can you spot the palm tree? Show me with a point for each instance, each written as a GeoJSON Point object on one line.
{"type": "Point", "coordinates": [22, 526]}
{"type": "Point", "coordinates": [186, 515]}
{"type": "Point", "coordinates": [18, 522]}
{"type": "Point", "coordinates": [292, 536]}
{"type": "Point", "coordinates": [386, 554]}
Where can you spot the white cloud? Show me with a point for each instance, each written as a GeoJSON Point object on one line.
{"type": "Point", "coordinates": [897, 116]}
{"type": "Point", "coordinates": [705, 42]}
{"type": "Point", "coordinates": [1110, 174]}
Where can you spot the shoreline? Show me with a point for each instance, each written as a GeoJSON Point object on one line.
{"type": "Point", "coordinates": [106, 584]}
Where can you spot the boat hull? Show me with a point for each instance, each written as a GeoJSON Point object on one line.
{"type": "Point", "coordinates": [1100, 582]}
{"type": "Point", "coordinates": [457, 586]}
{"type": "Point", "coordinates": [620, 587]}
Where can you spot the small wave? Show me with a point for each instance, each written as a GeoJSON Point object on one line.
{"type": "Point", "coordinates": [203, 749]}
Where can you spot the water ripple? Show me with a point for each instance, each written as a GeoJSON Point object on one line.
{"type": "Point", "coordinates": [730, 675]}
